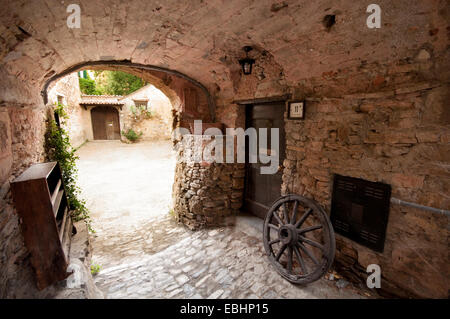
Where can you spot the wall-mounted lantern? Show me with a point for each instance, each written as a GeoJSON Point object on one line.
{"type": "Point", "coordinates": [246, 62]}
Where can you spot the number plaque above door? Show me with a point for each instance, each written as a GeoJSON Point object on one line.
{"type": "Point", "coordinates": [296, 110]}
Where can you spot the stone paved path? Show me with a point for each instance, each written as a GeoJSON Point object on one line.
{"type": "Point", "coordinates": [145, 254]}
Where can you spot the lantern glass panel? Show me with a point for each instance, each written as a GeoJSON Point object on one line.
{"type": "Point", "coordinates": [247, 68]}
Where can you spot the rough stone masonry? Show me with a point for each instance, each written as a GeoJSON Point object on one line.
{"type": "Point", "coordinates": [376, 106]}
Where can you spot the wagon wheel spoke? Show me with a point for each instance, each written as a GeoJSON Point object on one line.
{"type": "Point", "coordinates": [294, 212]}
{"type": "Point", "coordinates": [280, 222]}
{"type": "Point", "coordinates": [308, 229]}
{"type": "Point", "coordinates": [308, 253]}
{"type": "Point", "coordinates": [280, 252]}
{"type": "Point", "coordinates": [285, 213]}
{"type": "Point", "coordinates": [311, 242]}
{"type": "Point", "coordinates": [300, 260]}
{"type": "Point", "coordinates": [273, 227]}
{"type": "Point", "coordinates": [302, 220]}
{"type": "Point", "coordinates": [289, 265]}
{"type": "Point", "coordinates": [274, 241]}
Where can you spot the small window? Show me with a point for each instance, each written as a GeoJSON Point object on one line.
{"type": "Point", "coordinates": [60, 99]}
{"type": "Point", "coordinates": [141, 104]}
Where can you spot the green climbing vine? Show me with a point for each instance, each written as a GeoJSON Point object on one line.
{"type": "Point", "coordinates": [58, 148]}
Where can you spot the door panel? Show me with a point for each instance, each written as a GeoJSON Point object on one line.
{"type": "Point", "coordinates": [263, 189]}
{"type": "Point", "coordinates": [98, 123]}
{"type": "Point", "coordinates": [112, 125]}
{"type": "Point", "coordinates": [105, 123]}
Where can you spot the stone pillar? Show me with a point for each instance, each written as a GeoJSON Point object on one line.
{"type": "Point", "coordinates": [206, 194]}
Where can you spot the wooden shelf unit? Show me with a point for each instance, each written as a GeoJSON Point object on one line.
{"type": "Point", "coordinates": [41, 202]}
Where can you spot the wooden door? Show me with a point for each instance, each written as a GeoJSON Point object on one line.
{"type": "Point", "coordinates": [105, 123]}
{"type": "Point", "coordinates": [263, 189]}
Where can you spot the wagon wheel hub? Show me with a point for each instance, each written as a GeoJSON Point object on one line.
{"type": "Point", "coordinates": [288, 234]}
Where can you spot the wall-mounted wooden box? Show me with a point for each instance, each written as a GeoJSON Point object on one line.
{"type": "Point", "coordinates": [41, 203]}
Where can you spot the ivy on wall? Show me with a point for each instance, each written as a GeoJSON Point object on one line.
{"type": "Point", "coordinates": [58, 148]}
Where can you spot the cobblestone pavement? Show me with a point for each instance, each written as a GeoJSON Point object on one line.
{"type": "Point", "coordinates": [145, 254]}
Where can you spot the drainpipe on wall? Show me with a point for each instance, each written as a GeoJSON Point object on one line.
{"type": "Point", "coordinates": [414, 205]}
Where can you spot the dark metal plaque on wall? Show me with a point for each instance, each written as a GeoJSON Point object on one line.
{"type": "Point", "coordinates": [360, 210]}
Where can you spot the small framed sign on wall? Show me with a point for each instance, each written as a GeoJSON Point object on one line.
{"type": "Point", "coordinates": [296, 110]}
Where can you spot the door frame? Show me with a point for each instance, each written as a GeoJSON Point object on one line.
{"type": "Point", "coordinates": [250, 103]}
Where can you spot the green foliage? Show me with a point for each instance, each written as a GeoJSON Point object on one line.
{"type": "Point", "coordinates": [141, 111]}
{"type": "Point", "coordinates": [149, 114]}
{"type": "Point", "coordinates": [95, 269]}
{"type": "Point", "coordinates": [121, 83]}
{"type": "Point", "coordinates": [88, 86]}
{"type": "Point", "coordinates": [110, 82]}
{"type": "Point", "coordinates": [134, 110]}
{"type": "Point", "coordinates": [131, 135]}
{"type": "Point", "coordinates": [58, 149]}
{"type": "Point", "coordinates": [59, 109]}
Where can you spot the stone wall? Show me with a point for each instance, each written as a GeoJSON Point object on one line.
{"type": "Point", "coordinates": [399, 135]}
{"type": "Point", "coordinates": [22, 138]}
{"type": "Point", "coordinates": [386, 121]}
{"type": "Point", "coordinates": [157, 123]}
{"type": "Point", "coordinates": [383, 122]}
{"type": "Point", "coordinates": [22, 129]}
{"type": "Point", "coordinates": [205, 194]}
{"type": "Point", "coordinates": [79, 121]}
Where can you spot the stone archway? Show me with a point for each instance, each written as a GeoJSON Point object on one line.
{"type": "Point", "coordinates": [190, 101]}
{"type": "Point", "coordinates": [175, 85]}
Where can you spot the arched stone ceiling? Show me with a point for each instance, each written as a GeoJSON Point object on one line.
{"type": "Point", "coordinates": [204, 39]}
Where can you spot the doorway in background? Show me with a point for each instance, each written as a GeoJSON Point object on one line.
{"type": "Point", "coordinates": [105, 123]}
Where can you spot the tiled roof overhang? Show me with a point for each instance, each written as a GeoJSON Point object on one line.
{"type": "Point", "coordinates": [100, 103]}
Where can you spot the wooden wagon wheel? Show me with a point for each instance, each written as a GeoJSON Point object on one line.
{"type": "Point", "coordinates": [299, 239]}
